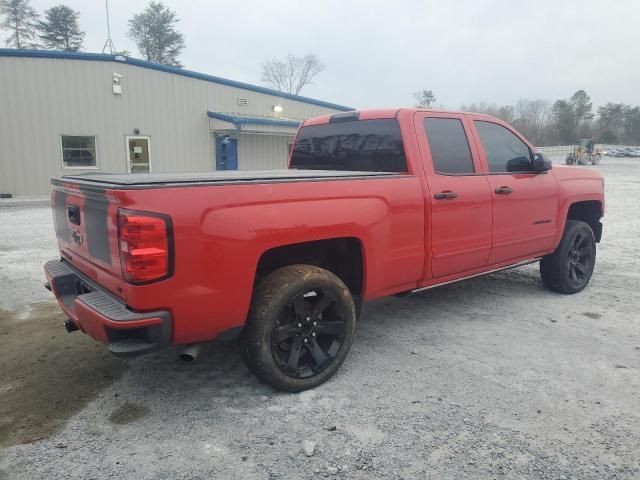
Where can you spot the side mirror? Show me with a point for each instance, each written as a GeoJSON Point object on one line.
{"type": "Point", "coordinates": [540, 163]}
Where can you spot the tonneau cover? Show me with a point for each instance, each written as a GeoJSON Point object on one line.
{"type": "Point", "coordinates": [151, 180]}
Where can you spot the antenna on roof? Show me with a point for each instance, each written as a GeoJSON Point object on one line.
{"type": "Point", "coordinates": [108, 45]}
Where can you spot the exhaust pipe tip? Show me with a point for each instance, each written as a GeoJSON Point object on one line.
{"type": "Point", "coordinates": [70, 326]}
{"type": "Point", "coordinates": [190, 353]}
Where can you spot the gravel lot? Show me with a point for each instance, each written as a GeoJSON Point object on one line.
{"type": "Point", "coordinates": [494, 377]}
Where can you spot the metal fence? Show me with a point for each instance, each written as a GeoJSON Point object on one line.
{"type": "Point", "coordinates": [556, 151]}
{"type": "Point", "coordinates": [564, 150]}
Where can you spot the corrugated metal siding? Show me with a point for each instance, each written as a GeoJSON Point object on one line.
{"type": "Point", "coordinates": [262, 152]}
{"type": "Point", "coordinates": [40, 99]}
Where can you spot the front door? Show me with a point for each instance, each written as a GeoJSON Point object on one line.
{"type": "Point", "coordinates": [460, 200]}
{"type": "Point", "coordinates": [226, 153]}
{"type": "Point", "coordinates": [138, 154]}
{"type": "Point", "coordinates": [525, 203]}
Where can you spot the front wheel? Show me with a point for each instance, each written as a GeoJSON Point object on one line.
{"type": "Point", "coordinates": [300, 327]}
{"type": "Point", "coordinates": [569, 268]}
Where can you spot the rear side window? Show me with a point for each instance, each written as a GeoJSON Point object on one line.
{"type": "Point", "coordinates": [505, 151]}
{"type": "Point", "coordinates": [362, 145]}
{"type": "Point", "coordinates": [449, 146]}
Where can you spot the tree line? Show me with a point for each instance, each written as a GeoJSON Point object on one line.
{"type": "Point", "coordinates": [153, 30]}
{"type": "Point", "coordinates": [562, 122]}
{"type": "Point", "coordinates": [565, 121]}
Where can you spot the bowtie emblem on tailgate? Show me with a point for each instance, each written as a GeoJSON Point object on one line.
{"type": "Point", "coordinates": [73, 212]}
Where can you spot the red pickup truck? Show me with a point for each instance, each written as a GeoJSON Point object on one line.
{"type": "Point", "coordinates": [374, 203]}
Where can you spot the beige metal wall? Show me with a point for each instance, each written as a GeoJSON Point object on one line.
{"type": "Point", "coordinates": [262, 151]}
{"type": "Point", "coordinates": [42, 98]}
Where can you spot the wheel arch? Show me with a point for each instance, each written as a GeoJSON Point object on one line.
{"type": "Point", "coordinates": [588, 211]}
{"type": "Point", "coordinates": [343, 256]}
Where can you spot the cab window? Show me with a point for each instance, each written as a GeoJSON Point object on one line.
{"type": "Point", "coordinates": [361, 145]}
{"type": "Point", "coordinates": [505, 151]}
{"type": "Point", "coordinates": [449, 146]}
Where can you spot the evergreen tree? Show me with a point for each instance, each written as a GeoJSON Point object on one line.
{"type": "Point", "coordinates": [60, 29]}
{"type": "Point", "coordinates": [21, 21]}
{"type": "Point", "coordinates": [154, 31]}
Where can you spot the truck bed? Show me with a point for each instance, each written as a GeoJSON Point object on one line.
{"type": "Point", "coordinates": [118, 181]}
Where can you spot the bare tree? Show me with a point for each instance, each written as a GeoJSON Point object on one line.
{"type": "Point", "coordinates": [425, 99]}
{"type": "Point", "coordinates": [531, 117]}
{"type": "Point", "coordinates": [21, 21]}
{"type": "Point", "coordinates": [292, 74]}
{"type": "Point", "coordinates": [504, 112]}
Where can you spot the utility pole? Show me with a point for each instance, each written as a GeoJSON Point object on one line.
{"type": "Point", "coordinates": [108, 45]}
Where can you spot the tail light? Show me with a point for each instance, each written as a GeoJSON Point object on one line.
{"type": "Point", "coordinates": [146, 246]}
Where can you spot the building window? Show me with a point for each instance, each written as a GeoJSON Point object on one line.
{"type": "Point", "coordinates": [78, 151]}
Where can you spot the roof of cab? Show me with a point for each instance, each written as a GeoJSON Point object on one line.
{"type": "Point", "coordinates": [376, 114]}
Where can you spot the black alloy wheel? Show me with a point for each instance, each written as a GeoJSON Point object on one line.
{"type": "Point", "coordinates": [581, 256]}
{"type": "Point", "coordinates": [300, 327]}
{"type": "Point", "coordinates": [569, 268]}
{"type": "Point", "coordinates": [309, 333]}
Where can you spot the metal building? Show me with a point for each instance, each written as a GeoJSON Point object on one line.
{"type": "Point", "coordinates": [73, 112]}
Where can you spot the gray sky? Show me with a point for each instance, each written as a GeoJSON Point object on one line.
{"type": "Point", "coordinates": [378, 52]}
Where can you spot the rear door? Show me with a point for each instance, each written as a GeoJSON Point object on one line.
{"type": "Point", "coordinates": [525, 203]}
{"type": "Point", "coordinates": [460, 200]}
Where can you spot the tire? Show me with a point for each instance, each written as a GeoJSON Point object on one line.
{"type": "Point", "coordinates": [300, 327]}
{"type": "Point", "coordinates": [569, 160]}
{"type": "Point", "coordinates": [596, 159]}
{"type": "Point", "coordinates": [569, 268]}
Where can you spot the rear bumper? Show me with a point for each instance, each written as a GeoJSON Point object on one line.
{"type": "Point", "coordinates": [100, 315]}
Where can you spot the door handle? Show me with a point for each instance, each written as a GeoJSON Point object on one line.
{"type": "Point", "coordinates": [503, 190]}
{"type": "Point", "coordinates": [446, 195]}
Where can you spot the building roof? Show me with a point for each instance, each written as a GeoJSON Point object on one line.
{"type": "Point", "coordinates": [101, 57]}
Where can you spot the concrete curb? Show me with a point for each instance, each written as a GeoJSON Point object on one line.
{"type": "Point", "coordinates": [25, 201]}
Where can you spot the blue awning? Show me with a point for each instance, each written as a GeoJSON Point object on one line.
{"type": "Point", "coordinates": [239, 120]}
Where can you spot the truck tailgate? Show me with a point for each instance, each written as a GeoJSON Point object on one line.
{"type": "Point", "coordinates": [86, 228]}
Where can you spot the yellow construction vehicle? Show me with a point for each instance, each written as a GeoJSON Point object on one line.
{"type": "Point", "coordinates": [585, 153]}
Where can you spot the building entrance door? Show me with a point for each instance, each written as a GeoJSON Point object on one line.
{"type": "Point", "coordinates": [226, 153]}
{"type": "Point", "coordinates": [138, 154]}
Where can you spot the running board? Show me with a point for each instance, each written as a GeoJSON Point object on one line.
{"type": "Point", "coordinates": [519, 264]}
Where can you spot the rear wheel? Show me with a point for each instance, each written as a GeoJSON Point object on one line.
{"type": "Point", "coordinates": [569, 268]}
{"type": "Point", "coordinates": [300, 327]}
{"type": "Point", "coordinates": [570, 160]}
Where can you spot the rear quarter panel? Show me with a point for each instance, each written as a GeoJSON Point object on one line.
{"type": "Point", "coordinates": [220, 233]}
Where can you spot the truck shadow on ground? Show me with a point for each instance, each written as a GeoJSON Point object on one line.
{"type": "Point", "coordinates": [49, 375]}
{"type": "Point", "coordinates": [219, 377]}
